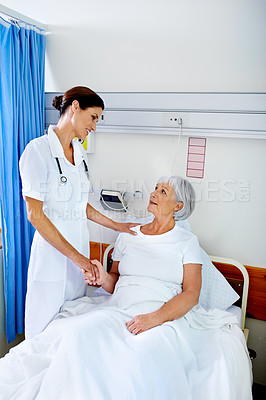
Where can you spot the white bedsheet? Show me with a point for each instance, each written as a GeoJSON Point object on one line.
{"type": "Point", "coordinates": [91, 354]}
{"type": "Point", "coordinates": [237, 312]}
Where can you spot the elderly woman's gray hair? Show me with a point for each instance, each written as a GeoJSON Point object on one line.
{"type": "Point", "coordinates": [184, 192]}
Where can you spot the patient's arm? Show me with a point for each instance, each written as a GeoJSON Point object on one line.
{"type": "Point", "coordinates": [105, 279]}
{"type": "Point", "coordinates": [175, 308]}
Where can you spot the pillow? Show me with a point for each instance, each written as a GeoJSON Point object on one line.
{"type": "Point", "coordinates": [216, 292]}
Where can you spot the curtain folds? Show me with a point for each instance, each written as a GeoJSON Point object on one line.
{"type": "Point", "coordinates": [22, 60]}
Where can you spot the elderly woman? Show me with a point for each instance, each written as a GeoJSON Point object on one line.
{"type": "Point", "coordinates": [160, 250]}
{"type": "Point", "coordinates": [138, 343]}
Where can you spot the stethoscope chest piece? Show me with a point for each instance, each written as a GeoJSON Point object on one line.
{"type": "Point", "coordinates": [63, 180]}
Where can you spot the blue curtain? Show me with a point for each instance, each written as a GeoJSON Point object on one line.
{"type": "Point", "coordinates": [22, 59]}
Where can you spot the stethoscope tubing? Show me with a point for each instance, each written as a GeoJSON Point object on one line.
{"type": "Point", "coordinates": [63, 178]}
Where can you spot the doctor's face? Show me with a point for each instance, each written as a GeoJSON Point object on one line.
{"type": "Point", "coordinates": [163, 201]}
{"type": "Point", "coordinates": [84, 121]}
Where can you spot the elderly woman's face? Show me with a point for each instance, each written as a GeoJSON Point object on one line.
{"type": "Point", "coordinates": [163, 201]}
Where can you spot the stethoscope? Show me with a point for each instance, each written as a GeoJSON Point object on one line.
{"type": "Point", "coordinates": [63, 178]}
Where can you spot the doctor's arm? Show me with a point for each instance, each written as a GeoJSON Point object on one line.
{"type": "Point", "coordinates": [52, 235]}
{"type": "Point", "coordinates": [96, 216]}
{"type": "Point", "coordinates": [175, 308]}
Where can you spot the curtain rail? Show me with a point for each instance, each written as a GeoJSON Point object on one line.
{"type": "Point", "coordinates": [16, 15]}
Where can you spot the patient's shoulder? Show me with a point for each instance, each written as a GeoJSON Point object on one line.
{"type": "Point", "coordinates": [184, 234]}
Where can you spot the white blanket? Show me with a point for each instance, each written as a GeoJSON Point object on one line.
{"type": "Point", "coordinates": [91, 354]}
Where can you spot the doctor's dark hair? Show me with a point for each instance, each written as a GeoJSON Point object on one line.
{"type": "Point", "coordinates": [184, 193]}
{"type": "Point", "coordinates": [85, 96]}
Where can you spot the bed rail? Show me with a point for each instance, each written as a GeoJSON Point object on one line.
{"type": "Point", "coordinates": [234, 263]}
{"type": "Point", "coordinates": [106, 254]}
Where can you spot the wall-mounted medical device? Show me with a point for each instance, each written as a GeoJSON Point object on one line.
{"type": "Point", "coordinates": [113, 200]}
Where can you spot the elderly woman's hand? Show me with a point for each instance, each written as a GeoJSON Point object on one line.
{"type": "Point", "coordinates": [141, 323]}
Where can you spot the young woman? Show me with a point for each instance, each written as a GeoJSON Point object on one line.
{"type": "Point", "coordinates": [55, 182]}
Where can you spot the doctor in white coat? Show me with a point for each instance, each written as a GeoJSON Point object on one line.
{"type": "Point", "coordinates": [55, 185]}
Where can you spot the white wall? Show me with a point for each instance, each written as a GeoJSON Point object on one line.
{"type": "Point", "coordinates": [160, 46]}
{"type": "Point", "coordinates": [229, 217]}
{"type": "Point", "coordinates": [150, 45]}
{"type": "Point", "coordinates": [177, 45]}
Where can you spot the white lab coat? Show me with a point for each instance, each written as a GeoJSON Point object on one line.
{"type": "Point", "coordinates": [52, 277]}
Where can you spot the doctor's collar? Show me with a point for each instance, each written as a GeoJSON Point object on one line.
{"type": "Point", "coordinates": [57, 149]}
{"type": "Point", "coordinates": [78, 158]}
{"type": "Point", "coordinates": [54, 143]}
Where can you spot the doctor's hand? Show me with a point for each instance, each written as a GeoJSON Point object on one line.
{"type": "Point", "coordinates": [125, 227]}
{"type": "Point", "coordinates": [141, 323]}
{"type": "Point", "coordinates": [92, 274]}
{"type": "Point", "coordinates": [100, 274]}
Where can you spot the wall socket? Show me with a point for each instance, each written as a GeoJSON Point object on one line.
{"type": "Point", "coordinates": [102, 119]}
{"type": "Point", "coordinates": [175, 119]}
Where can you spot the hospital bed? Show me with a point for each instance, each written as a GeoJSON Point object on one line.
{"type": "Point", "coordinates": [192, 358]}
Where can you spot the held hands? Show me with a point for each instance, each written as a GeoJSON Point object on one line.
{"type": "Point", "coordinates": [98, 276]}
{"type": "Point", "coordinates": [88, 268]}
{"type": "Point", "coordinates": [141, 323]}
